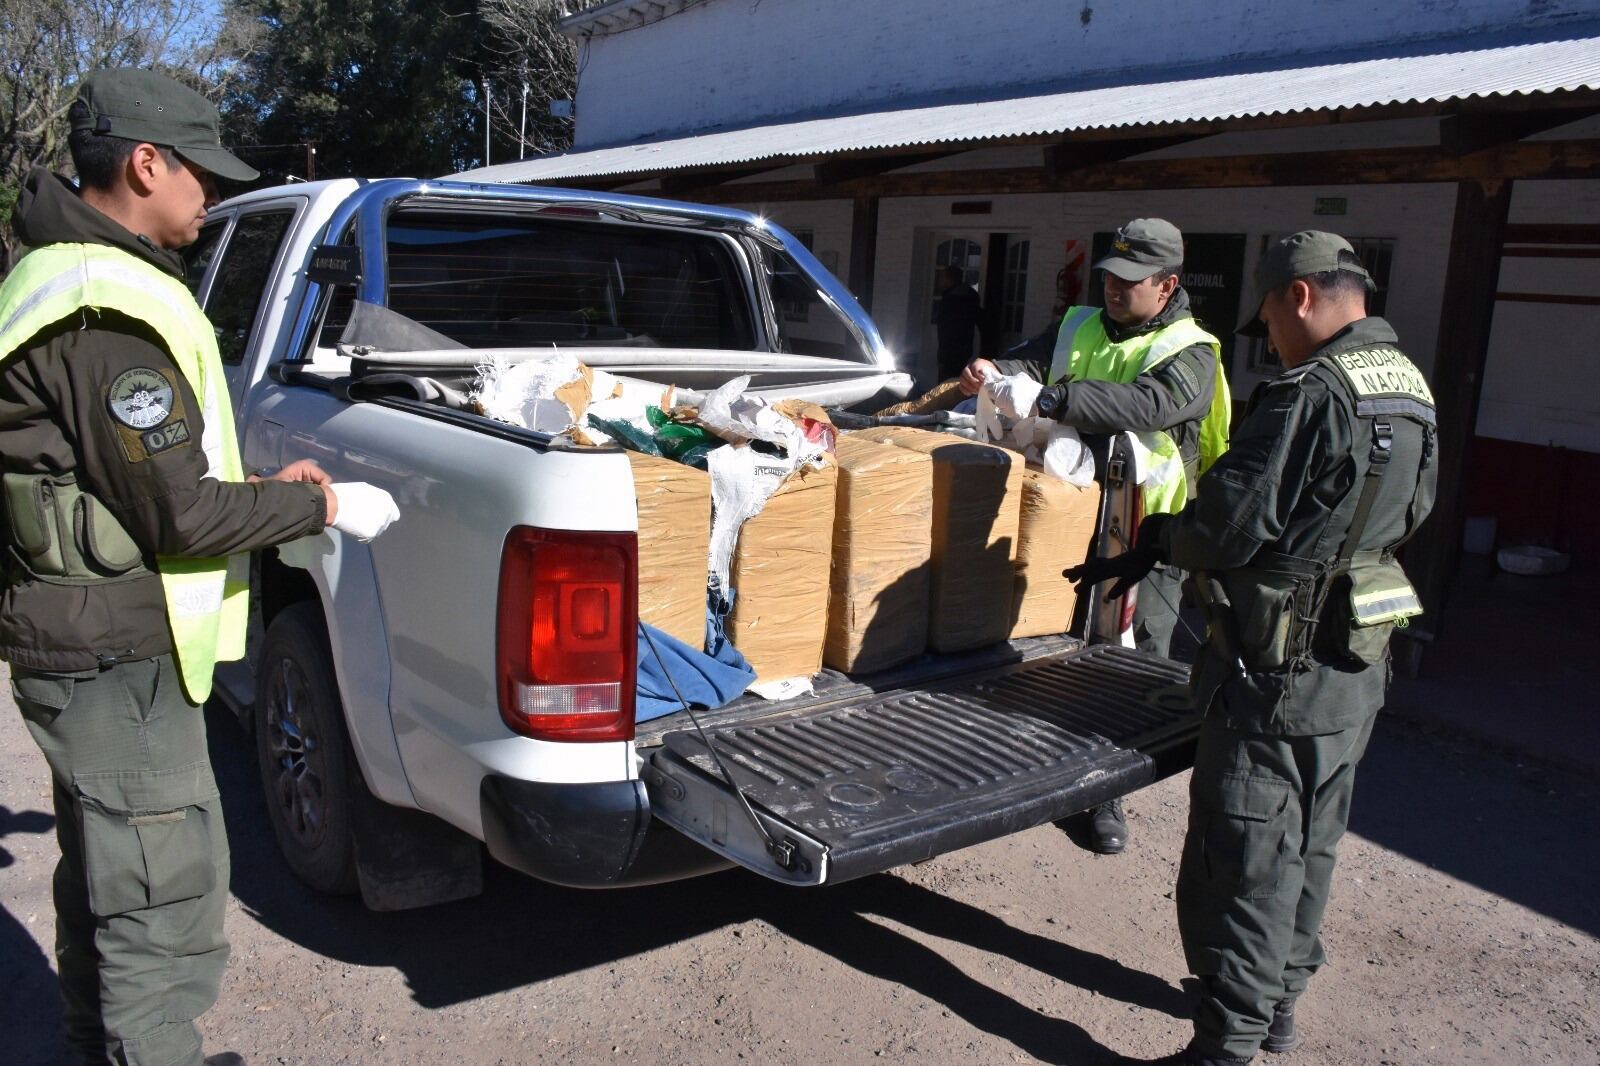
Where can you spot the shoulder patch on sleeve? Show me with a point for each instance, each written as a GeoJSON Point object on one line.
{"type": "Point", "coordinates": [146, 407]}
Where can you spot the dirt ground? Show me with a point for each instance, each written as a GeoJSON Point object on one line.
{"type": "Point", "coordinates": [1465, 927]}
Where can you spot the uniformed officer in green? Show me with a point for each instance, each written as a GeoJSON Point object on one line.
{"type": "Point", "coordinates": [1142, 364]}
{"type": "Point", "coordinates": [1291, 545]}
{"type": "Point", "coordinates": [126, 520]}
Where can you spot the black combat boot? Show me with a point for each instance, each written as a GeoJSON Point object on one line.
{"type": "Point", "coordinates": [1281, 1036]}
{"type": "Point", "coordinates": [1108, 829]}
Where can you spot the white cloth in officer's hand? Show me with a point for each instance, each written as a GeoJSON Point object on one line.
{"type": "Point", "coordinates": [1016, 396]}
{"type": "Point", "coordinates": [364, 510]}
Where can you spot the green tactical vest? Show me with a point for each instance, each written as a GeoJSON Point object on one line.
{"type": "Point", "coordinates": [1286, 608]}
{"type": "Point", "coordinates": [207, 600]}
{"type": "Point", "coordinates": [1084, 352]}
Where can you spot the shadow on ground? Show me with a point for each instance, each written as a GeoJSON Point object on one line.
{"type": "Point", "coordinates": [28, 987]}
{"type": "Point", "coordinates": [461, 951]}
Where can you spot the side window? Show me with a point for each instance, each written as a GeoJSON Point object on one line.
{"type": "Point", "coordinates": [198, 255]}
{"type": "Point", "coordinates": [242, 278]}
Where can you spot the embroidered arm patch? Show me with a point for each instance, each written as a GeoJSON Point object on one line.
{"type": "Point", "coordinates": [146, 407]}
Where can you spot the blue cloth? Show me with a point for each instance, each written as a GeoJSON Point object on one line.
{"type": "Point", "coordinates": [969, 406]}
{"type": "Point", "coordinates": [705, 680]}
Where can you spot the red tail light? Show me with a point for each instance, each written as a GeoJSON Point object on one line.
{"type": "Point", "coordinates": [567, 633]}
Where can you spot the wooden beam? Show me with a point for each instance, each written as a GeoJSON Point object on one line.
{"type": "Point", "coordinates": [1472, 276]}
{"type": "Point", "coordinates": [1525, 160]}
{"type": "Point", "coordinates": [863, 248]}
{"type": "Point", "coordinates": [674, 182]}
{"type": "Point", "coordinates": [1548, 298]}
{"type": "Point", "coordinates": [853, 168]}
{"type": "Point", "coordinates": [1069, 156]}
{"type": "Point", "coordinates": [1551, 233]}
{"type": "Point", "coordinates": [1464, 134]}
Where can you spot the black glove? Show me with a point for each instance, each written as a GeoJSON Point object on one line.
{"type": "Point", "coordinates": [1130, 567]}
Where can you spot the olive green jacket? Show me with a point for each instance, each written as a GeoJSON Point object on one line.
{"type": "Point", "coordinates": [56, 418]}
{"type": "Point", "coordinates": [1289, 485]}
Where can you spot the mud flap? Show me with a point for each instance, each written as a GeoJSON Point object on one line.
{"type": "Point", "coordinates": [846, 790]}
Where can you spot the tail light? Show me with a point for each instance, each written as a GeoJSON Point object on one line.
{"type": "Point", "coordinates": [567, 633]}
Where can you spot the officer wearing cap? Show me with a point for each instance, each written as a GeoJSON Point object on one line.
{"type": "Point", "coordinates": [127, 524]}
{"type": "Point", "coordinates": [1290, 544]}
{"type": "Point", "coordinates": [1142, 364]}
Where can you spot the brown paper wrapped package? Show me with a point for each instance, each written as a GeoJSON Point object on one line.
{"type": "Point", "coordinates": [1057, 527]}
{"type": "Point", "coordinates": [674, 541]}
{"type": "Point", "coordinates": [780, 578]}
{"type": "Point", "coordinates": [977, 499]}
{"type": "Point", "coordinates": [882, 550]}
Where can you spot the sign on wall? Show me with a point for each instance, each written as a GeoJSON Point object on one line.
{"type": "Point", "coordinates": [1213, 275]}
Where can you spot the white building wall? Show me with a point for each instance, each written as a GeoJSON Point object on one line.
{"type": "Point", "coordinates": [1542, 382]}
{"type": "Point", "coordinates": [1417, 217]}
{"type": "Point", "coordinates": [730, 63]}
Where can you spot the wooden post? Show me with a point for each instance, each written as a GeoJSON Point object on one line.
{"type": "Point", "coordinates": [863, 248]}
{"type": "Point", "coordinates": [1472, 275]}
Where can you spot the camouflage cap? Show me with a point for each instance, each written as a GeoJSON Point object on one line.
{"type": "Point", "coordinates": [1143, 247]}
{"type": "Point", "coordinates": [141, 105]}
{"type": "Point", "coordinates": [1296, 256]}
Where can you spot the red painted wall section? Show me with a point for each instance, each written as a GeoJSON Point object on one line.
{"type": "Point", "coordinates": [1536, 493]}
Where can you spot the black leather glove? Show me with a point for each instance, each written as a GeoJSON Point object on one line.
{"type": "Point", "coordinates": [1130, 567]}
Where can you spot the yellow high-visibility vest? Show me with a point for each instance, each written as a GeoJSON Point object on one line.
{"type": "Point", "coordinates": [207, 599]}
{"type": "Point", "coordinates": [1085, 352]}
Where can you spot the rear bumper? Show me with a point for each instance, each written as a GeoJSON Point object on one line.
{"type": "Point", "coordinates": [596, 835]}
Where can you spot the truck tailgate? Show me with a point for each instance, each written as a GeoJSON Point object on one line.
{"type": "Point", "coordinates": [846, 790]}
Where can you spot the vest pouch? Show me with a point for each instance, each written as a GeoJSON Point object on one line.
{"type": "Point", "coordinates": [1379, 599]}
{"type": "Point", "coordinates": [1265, 603]}
{"type": "Point", "coordinates": [101, 538]}
{"type": "Point", "coordinates": [32, 518]}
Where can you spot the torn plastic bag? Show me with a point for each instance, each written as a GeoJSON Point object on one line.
{"type": "Point", "coordinates": [550, 394]}
{"type": "Point", "coordinates": [1042, 441]}
{"type": "Point", "coordinates": [705, 681]}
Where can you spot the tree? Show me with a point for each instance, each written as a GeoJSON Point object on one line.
{"type": "Point", "coordinates": [522, 48]}
{"type": "Point", "coordinates": [47, 46]}
{"type": "Point", "coordinates": [382, 87]}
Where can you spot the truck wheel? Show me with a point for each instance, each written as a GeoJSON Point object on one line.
{"type": "Point", "coordinates": [303, 752]}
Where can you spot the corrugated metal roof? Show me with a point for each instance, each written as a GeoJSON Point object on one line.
{"type": "Point", "coordinates": [617, 15]}
{"type": "Point", "coordinates": [1544, 67]}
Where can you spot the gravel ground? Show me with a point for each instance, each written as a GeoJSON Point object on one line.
{"type": "Point", "coordinates": [1465, 927]}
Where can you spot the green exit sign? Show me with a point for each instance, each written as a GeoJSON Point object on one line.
{"type": "Point", "coordinates": [1331, 205]}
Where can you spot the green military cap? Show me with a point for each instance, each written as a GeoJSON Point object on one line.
{"type": "Point", "coordinates": [1143, 247]}
{"type": "Point", "coordinates": [141, 105]}
{"type": "Point", "coordinates": [1296, 256]}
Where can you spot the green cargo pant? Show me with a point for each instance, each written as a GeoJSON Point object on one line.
{"type": "Point", "coordinates": [1155, 614]}
{"type": "Point", "coordinates": [143, 879]}
{"type": "Point", "coordinates": [1265, 817]}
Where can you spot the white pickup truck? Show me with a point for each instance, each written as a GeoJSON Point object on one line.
{"type": "Point", "coordinates": [404, 704]}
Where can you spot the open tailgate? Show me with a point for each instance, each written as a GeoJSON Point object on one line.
{"type": "Point", "coordinates": [856, 787]}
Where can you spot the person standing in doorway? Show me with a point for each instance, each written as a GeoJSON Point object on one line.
{"type": "Point", "coordinates": [1141, 364]}
{"type": "Point", "coordinates": [127, 523]}
{"type": "Point", "coordinates": [1291, 544]}
{"type": "Point", "coordinates": [958, 320]}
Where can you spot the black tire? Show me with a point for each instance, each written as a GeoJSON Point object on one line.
{"type": "Point", "coordinates": [303, 752]}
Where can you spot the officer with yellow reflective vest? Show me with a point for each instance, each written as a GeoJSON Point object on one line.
{"type": "Point", "coordinates": [1291, 544]}
{"type": "Point", "coordinates": [1144, 365]}
{"type": "Point", "coordinates": [127, 524]}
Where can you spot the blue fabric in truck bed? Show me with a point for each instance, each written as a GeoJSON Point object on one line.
{"type": "Point", "coordinates": [705, 681]}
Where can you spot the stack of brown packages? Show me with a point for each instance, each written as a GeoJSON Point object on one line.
{"type": "Point", "coordinates": [977, 499]}
{"type": "Point", "coordinates": [780, 606]}
{"type": "Point", "coordinates": [882, 548]}
{"type": "Point", "coordinates": [1057, 527]}
{"type": "Point", "coordinates": [674, 540]}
